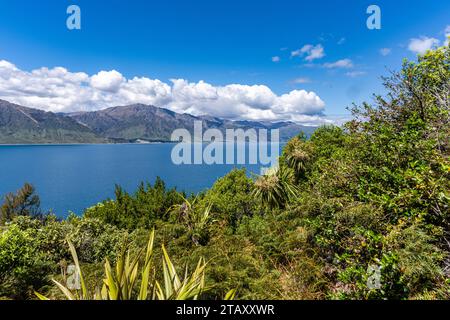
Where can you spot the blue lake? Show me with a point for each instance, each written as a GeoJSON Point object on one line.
{"type": "Point", "coordinates": [75, 177]}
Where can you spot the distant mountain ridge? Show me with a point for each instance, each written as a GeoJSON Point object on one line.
{"type": "Point", "coordinates": [132, 123]}
{"type": "Point", "coordinates": [21, 125]}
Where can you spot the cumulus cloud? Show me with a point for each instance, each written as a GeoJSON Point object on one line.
{"type": "Point", "coordinates": [344, 63]}
{"type": "Point", "coordinates": [422, 44]}
{"type": "Point", "coordinates": [297, 103]}
{"type": "Point", "coordinates": [312, 52]}
{"type": "Point", "coordinates": [107, 81]}
{"type": "Point", "coordinates": [60, 90]}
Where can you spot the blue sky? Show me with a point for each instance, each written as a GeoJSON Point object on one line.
{"type": "Point", "coordinates": [220, 42]}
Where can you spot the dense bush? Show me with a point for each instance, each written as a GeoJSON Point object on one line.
{"type": "Point", "coordinates": [140, 210]}
{"type": "Point", "coordinates": [22, 265]}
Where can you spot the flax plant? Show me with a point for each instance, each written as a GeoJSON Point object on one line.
{"type": "Point", "coordinates": [131, 280]}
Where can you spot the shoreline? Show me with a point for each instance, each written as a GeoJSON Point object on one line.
{"type": "Point", "coordinates": [281, 142]}
{"type": "Point", "coordinates": [80, 144]}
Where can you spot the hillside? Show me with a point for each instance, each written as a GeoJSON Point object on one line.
{"type": "Point", "coordinates": [130, 123]}
{"type": "Point", "coordinates": [21, 125]}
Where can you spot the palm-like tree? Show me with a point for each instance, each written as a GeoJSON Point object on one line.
{"type": "Point", "coordinates": [276, 187]}
{"type": "Point", "coordinates": [297, 155]}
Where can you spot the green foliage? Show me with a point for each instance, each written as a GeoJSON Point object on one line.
{"type": "Point", "coordinates": [31, 249]}
{"type": "Point", "coordinates": [24, 203]}
{"type": "Point", "coordinates": [275, 188]}
{"type": "Point", "coordinates": [120, 282]}
{"type": "Point", "coordinates": [140, 210]}
{"type": "Point", "coordinates": [22, 265]}
{"type": "Point", "coordinates": [231, 198]}
{"type": "Point", "coordinates": [196, 221]}
{"type": "Point", "coordinates": [297, 154]}
{"type": "Point", "coordinates": [398, 163]}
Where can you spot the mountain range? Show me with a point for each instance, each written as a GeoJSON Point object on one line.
{"type": "Point", "coordinates": [122, 124]}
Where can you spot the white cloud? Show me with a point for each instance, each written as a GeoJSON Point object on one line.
{"type": "Point", "coordinates": [422, 44]}
{"type": "Point", "coordinates": [107, 81]}
{"type": "Point", "coordinates": [341, 41]}
{"type": "Point", "coordinates": [312, 52]}
{"type": "Point", "coordinates": [298, 102]}
{"type": "Point", "coordinates": [301, 80]}
{"type": "Point", "coordinates": [297, 53]}
{"type": "Point", "coordinates": [344, 63]}
{"type": "Point", "coordinates": [355, 74]}
{"type": "Point", "coordinates": [7, 65]}
{"type": "Point", "coordinates": [60, 90]}
{"type": "Point", "coordinates": [385, 51]}
{"type": "Point", "coordinates": [276, 59]}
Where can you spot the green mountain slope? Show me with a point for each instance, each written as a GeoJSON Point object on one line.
{"type": "Point", "coordinates": [21, 125]}
{"type": "Point", "coordinates": [156, 124]}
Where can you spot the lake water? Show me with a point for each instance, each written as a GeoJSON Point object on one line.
{"type": "Point", "coordinates": [75, 177]}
